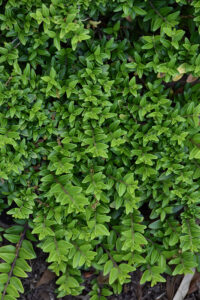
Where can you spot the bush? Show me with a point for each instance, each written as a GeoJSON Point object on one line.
{"type": "Point", "coordinates": [99, 140]}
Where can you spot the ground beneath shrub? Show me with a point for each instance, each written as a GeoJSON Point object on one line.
{"type": "Point", "coordinates": [40, 285]}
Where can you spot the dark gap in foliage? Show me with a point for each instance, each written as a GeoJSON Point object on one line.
{"type": "Point", "coordinates": [39, 69]}
{"type": "Point", "coordinates": [5, 218]}
{"type": "Point", "coordinates": [145, 210]}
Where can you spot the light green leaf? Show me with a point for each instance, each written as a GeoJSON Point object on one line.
{"type": "Point", "coordinates": [27, 251]}
{"type": "Point", "coordinates": [13, 238]}
{"type": "Point", "coordinates": [100, 229]}
{"type": "Point", "coordinates": [12, 291]}
{"type": "Point", "coordinates": [146, 276]}
{"type": "Point", "coordinates": [107, 267]}
{"type": "Point", "coordinates": [17, 283]}
{"type": "Point", "coordinates": [17, 271]}
{"type": "Point", "coordinates": [7, 257]}
{"type": "Point", "coordinates": [76, 259]}
{"type": "Point", "coordinates": [121, 189]}
{"type": "Point", "coordinates": [113, 275]}
{"type": "Point", "coordinates": [5, 267]}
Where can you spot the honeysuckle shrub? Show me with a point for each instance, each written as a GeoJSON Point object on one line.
{"type": "Point", "coordinates": [99, 140]}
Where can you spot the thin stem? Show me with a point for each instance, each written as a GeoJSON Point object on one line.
{"type": "Point", "coordinates": [132, 229]}
{"type": "Point", "coordinates": [65, 191]}
{"type": "Point", "coordinates": [187, 17]}
{"type": "Point", "coordinates": [17, 45]}
{"type": "Point", "coordinates": [157, 11]}
{"type": "Point", "coordinates": [9, 79]}
{"type": "Point", "coordinates": [15, 40]}
{"type": "Point", "coordinates": [118, 180]}
{"type": "Point", "coordinates": [110, 256]}
{"type": "Point", "coordinates": [193, 115]}
{"type": "Point", "coordinates": [18, 247]}
{"type": "Point", "coordinates": [42, 203]}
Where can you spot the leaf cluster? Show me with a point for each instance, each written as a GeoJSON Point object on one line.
{"type": "Point", "coordinates": [99, 140]}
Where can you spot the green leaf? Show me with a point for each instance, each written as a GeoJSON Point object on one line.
{"type": "Point", "coordinates": [56, 41]}
{"type": "Point", "coordinates": [76, 259]}
{"type": "Point", "coordinates": [3, 278]}
{"type": "Point", "coordinates": [157, 23]}
{"type": "Point", "coordinates": [13, 238]}
{"type": "Point", "coordinates": [196, 173]}
{"type": "Point", "coordinates": [126, 268]}
{"type": "Point", "coordinates": [9, 297]}
{"type": "Point", "coordinates": [7, 249]}
{"type": "Point", "coordinates": [139, 11]}
{"type": "Point", "coordinates": [17, 283]}
{"type": "Point", "coordinates": [106, 292]}
{"type": "Point", "coordinates": [154, 256]}
{"type": "Point", "coordinates": [47, 178]}
{"type": "Point", "coordinates": [113, 275]}
{"type": "Point", "coordinates": [146, 276]}
{"type": "Point", "coordinates": [12, 291]}
{"type": "Point", "coordinates": [168, 31]}
{"type": "Point", "coordinates": [107, 267]}
{"type": "Point", "coordinates": [27, 251]}
{"type": "Point", "coordinates": [17, 271]}
{"type": "Point", "coordinates": [23, 265]}
{"type": "Point", "coordinates": [195, 153]}
{"type": "Point", "coordinates": [5, 267]}
{"type": "Point", "coordinates": [121, 189]}
{"type": "Point", "coordinates": [174, 238]}
{"type": "Point", "coordinates": [7, 257]}
{"type": "Point", "coordinates": [156, 225]}
{"type": "Point", "coordinates": [45, 10]}
{"type": "Point", "coordinates": [196, 138]}
{"type": "Point", "coordinates": [74, 42]}
{"type": "Point", "coordinates": [100, 229]}
{"type": "Point", "coordinates": [3, 50]}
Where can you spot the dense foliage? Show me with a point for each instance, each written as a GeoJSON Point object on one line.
{"type": "Point", "coordinates": [99, 140]}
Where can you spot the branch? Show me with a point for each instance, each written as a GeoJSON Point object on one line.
{"type": "Point", "coordinates": [15, 40]}
{"type": "Point", "coordinates": [18, 246]}
{"type": "Point", "coordinates": [9, 79]}
{"type": "Point", "coordinates": [110, 256]}
{"type": "Point", "coordinates": [118, 180]}
{"type": "Point", "coordinates": [157, 11]}
{"type": "Point", "coordinates": [187, 17]}
{"type": "Point", "coordinates": [64, 190]}
{"type": "Point", "coordinates": [17, 45]}
{"type": "Point", "coordinates": [42, 203]}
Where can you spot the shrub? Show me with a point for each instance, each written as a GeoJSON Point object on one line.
{"type": "Point", "coordinates": [99, 140]}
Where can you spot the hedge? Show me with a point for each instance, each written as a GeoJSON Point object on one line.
{"type": "Point", "coordinates": [99, 141]}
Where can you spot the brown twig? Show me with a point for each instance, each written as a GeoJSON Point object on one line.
{"type": "Point", "coordinates": [182, 82]}
{"type": "Point", "coordinates": [157, 11]}
{"type": "Point", "coordinates": [9, 79]}
{"type": "Point", "coordinates": [64, 190]}
{"type": "Point", "coordinates": [42, 203]}
{"type": "Point", "coordinates": [15, 40]}
{"type": "Point", "coordinates": [17, 45]}
{"type": "Point", "coordinates": [187, 17]}
{"type": "Point", "coordinates": [110, 256]}
{"type": "Point", "coordinates": [18, 246]}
